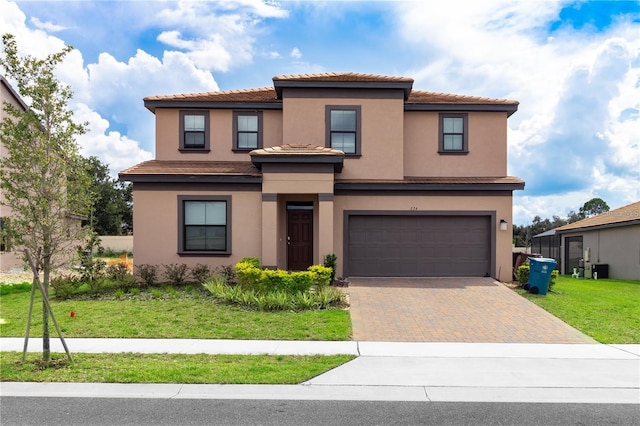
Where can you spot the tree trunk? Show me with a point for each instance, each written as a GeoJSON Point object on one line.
{"type": "Point", "coordinates": [46, 345]}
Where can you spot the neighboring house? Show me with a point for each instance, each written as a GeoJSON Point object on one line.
{"type": "Point", "coordinates": [608, 243]}
{"type": "Point", "coordinates": [9, 259]}
{"type": "Point", "coordinates": [547, 244]}
{"type": "Point", "coordinates": [394, 181]}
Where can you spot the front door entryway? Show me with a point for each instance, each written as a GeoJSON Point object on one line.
{"type": "Point", "coordinates": [299, 236]}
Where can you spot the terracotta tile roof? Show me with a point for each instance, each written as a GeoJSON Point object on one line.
{"type": "Point", "coordinates": [297, 149]}
{"type": "Point", "coordinates": [422, 97]}
{"type": "Point", "coordinates": [264, 94]}
{"type": "Point", "coordinates": [192, 168]}
{"type": "Point", "coordinates": [270, 94]}
{"type": "Point", "coordinates": [342, 77]}
{"type": "Point", "coordinates": [628, 213]}
{"type": "Point", "coordinates": [507, 180]}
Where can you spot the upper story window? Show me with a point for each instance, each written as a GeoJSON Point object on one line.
{"type": "Point", "coordinates": [453, 134]}
{"type": "Point", "coordinates": [247, 130]}
{"type": "Point", "coordinates": [343, 128]}
{"type": "Point", "coordinates": [194, 130]}
{"type": "Point", "coordinates": [204, 225]}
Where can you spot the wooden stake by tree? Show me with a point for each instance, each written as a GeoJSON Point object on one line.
{"type": "Point", "coordinates": [41, 178]}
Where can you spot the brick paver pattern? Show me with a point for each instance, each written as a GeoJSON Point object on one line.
{"type": "Point", "coordinates": [450, 310]}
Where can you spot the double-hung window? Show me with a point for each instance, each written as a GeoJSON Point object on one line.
{"type": "Point", "coordinates": [204, 225]}
{"type": "Point", "coordinates": [194, 130]}
{"type": "Point", "coordinates": [453, 138]}
{"type": "Point", "coordinates": [247, 130]}
{"type": "Point", "coordinates": [343, 128]}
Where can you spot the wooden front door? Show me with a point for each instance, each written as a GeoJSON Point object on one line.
{"type": "Point", "coordinates": [299, 239]}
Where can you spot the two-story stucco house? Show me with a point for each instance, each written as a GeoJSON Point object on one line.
{"type": "Point", "coordinates": [9, 258]}
{"type": "Point", "coordinates": [394, 181]}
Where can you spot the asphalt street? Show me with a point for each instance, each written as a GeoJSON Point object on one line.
{"type": "Point", "coordinates": [163, 412]}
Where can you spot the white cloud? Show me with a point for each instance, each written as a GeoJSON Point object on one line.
{"type": "Point", "coordinates": [108, 94]}
{"type": "Point", "coordinates": [575, 133]}
{"type": "Point", "coordinates": [111, 147]}
{"type": "Point", "coordinates": [296, 53]}
{"type": "Point", "coordinates": [46, 26]}
{"type": "Point", "coordinates": [219, 35]}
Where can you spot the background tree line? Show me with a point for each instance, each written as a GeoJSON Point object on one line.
{"type": "Point", "coordinates": [112, 209]}
{"type": "Point", "coordinates": [522, 234]}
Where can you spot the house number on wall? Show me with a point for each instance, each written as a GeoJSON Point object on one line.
{"type": "Point", "coordinates": [413, 208]}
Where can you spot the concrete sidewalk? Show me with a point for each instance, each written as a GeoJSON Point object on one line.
{"type": "Point", "coordinates": [383, 371]}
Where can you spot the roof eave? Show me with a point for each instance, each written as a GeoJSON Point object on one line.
{"type": "Point", "coordinates": [151, 105]}
{"type": "Point", "coordinates": [336, 161]}
{"type": "Point", "coordinates": [597, 227]}
{"type": "Point", "coordinates": [187, 178]}
{"type": "Point", "coordinates": [403, 186]}
{"type": "Point", "coordinates": [510, 109]}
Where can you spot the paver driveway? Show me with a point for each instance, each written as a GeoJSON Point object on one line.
{"type": "Point", "coordinates": [450, 310]}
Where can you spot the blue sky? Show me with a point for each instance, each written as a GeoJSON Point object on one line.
{"type": "Point", "coordinates": [573, 66]}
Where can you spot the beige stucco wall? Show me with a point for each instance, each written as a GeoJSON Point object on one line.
{"type": "Point", "coordinates": [221, 135]}
{"type": "Point", "coordinates": [155, 221]}
{"type": "Point", "coordinates": [117, 242]}
{"type": "Point", "coordinates": [381, 126]}
{"type": "Point", "coordinates": [487, 154]}
{"type": "Point", "coordinates": [416, 204]}
{"type": "Point", "coordinates": [8, 260]}
{"type": "Point", "coordinates": [618, 247]}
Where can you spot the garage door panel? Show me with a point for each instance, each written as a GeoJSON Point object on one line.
{"type": "Point", "coordinates": [382, 245]}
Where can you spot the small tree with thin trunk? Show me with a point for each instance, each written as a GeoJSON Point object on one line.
{"type": "Point", "coordinates": [41, 177]}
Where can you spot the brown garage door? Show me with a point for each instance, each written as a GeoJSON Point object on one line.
{"type": "Point", "coordinates": [419, 246]}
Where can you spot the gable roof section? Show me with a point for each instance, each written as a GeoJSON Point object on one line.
{"type": "Point", "coordinates": [298, 154]}
{"type": "Point", "coordinates": [623, 216]}
{"type": "Point", "coordinates": [271, 97]}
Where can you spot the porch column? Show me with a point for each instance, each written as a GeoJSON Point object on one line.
{"type": "Point", "coordinates": [325, 226]}
{"type": "Point", "coordinates": [269, 230]}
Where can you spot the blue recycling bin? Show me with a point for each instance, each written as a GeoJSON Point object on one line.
{"type": "Point", "coordinates": [540, 274]}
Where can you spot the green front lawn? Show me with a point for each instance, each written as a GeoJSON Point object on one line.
{"type": "Point", "coordinates": [607, 310]}
{"type": "Point", "coordinates": [170, 313]}
{"type": "Point", "coordinates": [168, 368]}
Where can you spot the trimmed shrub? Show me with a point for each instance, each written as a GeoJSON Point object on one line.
{"type": "Point", "coordinates": [554, 275]}
{"type": "Point", "coordinates": [228, 273]}
{"type": "Point", "coordinates": [249, 275]}
{"type": "Point", "coordinates": [255, 261]}
{"type": "Point", "coordinates": [331, 261]}
{"type": "Point", "coordinates": [120, 274]}
{"type": "Point", "coordinates": [201, 273]}
{"type": "Point", "coordinates": [523, 274]}
{"type": "Point", "coordinates": [65, 286]}
{"type": "Point", "coordinates": [147, 275]}
{"type": "Point", "coordinates": [322, 276]}
{"type": "Point", "coordinates": [176, 274]}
